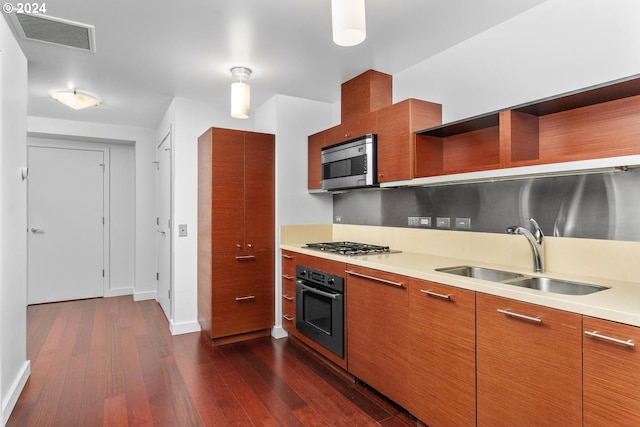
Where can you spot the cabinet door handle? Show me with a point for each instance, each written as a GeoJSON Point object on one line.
{"type": "Point", "coordinates": [287, 318]}
{"type": "Point", "coordinates": [287, 256]}
{"type": "Point", "coordinates": [436, 295]}
{"type": "Point", "coordinates": [286, 276]}
{"type": "Point", "coordinates": [377, 279]}
{"type": "Point", "coordinates": [595, 334]}
{"type": "Point", "coordinates": [520, 316]}
{"type": "Point", "coordinates": [245, 257]}
{"type": "Point", "coordinates": [287, 297]}
{"type": "Point", "coordinates": [247, 298]}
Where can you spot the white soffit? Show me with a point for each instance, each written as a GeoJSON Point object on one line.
{"type": "Point", "coordinates": [56, 31]}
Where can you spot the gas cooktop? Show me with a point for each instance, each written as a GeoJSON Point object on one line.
{"type": "Point", "coordinates": [350, 248]}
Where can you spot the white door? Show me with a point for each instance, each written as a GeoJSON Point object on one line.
{"type": "Point", "coordinates": [163, 223]}
{"type": "Point", "coordinates": [65, 224]}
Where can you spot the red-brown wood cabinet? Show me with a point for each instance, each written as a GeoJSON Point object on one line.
{"type": "Point", "coordinates": [236, 187]}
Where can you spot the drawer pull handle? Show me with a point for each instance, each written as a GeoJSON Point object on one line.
{"type": "Point", "coordinates": [245, 257]}
{"type": "Point", "coordinates": [595, 334]}
{"type": "Point", "coordinates": [287, 297]}
{"type": "Point", "coordinates": [247, 298]}
{"type": "Point", "coordinates": [286, 276]}
{"type": "Point", "coordinates": [436, 295]}
{"type": "Point", "coordinates": [287, 256]}
{"type": "Point", "coordinates": [520, 316]}
{"type": "Point", "coordinates": [377, 279]}
{"type": "Point", "coordinates": [287, 318]}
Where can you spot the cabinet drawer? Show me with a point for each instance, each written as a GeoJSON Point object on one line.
{"type": "Point", "coordinates": [288, 306]}
{"type": "Point", "coordinates": [242, 311]}
{"type": "Point", "coordinates": [288, 264]}
{"type": "Point", "coordinates": [241, 270]}
{"type": "Point", "coordinates": [611, 374]}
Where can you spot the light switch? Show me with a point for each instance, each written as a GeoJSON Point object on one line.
{"type": "Point", "coordinates": [182, 230]}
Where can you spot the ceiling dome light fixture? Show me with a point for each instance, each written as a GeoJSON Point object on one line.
{"type": "Point", "coordinates": [76, 99]}
{"type": "Point", "coordinates": [348, 21]}
{"type": "Point", "coordinates": [240, 93]}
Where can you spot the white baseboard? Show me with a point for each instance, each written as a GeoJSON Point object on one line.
{"type": "Point", "coordinates": [143, 296]}
{"type": "Point", "coordinates": [184, 328]}
{"type": "Point", "coordinates": [118, 292]}
{"type": "Point", "coordinates": [279, 332]}
{"type": "Point", "coordinates": [14, 392]}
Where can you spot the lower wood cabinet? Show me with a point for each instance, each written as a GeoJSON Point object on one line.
{"type": "Point", "coordinates": [377, 330]}
{"type": "Point", "coordinates": [611, 374]}
{"type": "Point", "coordinates": [529, 364]}
{"type": "Point", "coordinates": [289, 291]}
{"type": "Point", "coordinates": [442, 358]}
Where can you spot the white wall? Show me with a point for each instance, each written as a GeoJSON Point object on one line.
{"type": "Point", "coordinates": [188, 119]}
{"type": "Point", "coordinates": [14, 367]}
{"type": "Point", "coordinates": [556, 47]}
{"type": "Point", "coordinates": [143, 141]}
{"type": "Point", "coordinates": [121, 202]}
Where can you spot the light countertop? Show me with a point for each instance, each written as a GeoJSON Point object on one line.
{"type": "Point", "coordinates": [620, 303]}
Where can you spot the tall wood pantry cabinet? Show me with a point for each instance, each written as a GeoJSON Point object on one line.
{"type": "Point", "coordinates": [236, 220]}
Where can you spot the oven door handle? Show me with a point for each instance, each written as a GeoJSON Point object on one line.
{"type": "Point", "coordinates": [317, 291]}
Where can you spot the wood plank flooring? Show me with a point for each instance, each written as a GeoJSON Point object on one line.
{"type": "Point", "coordinates": [113, 362]}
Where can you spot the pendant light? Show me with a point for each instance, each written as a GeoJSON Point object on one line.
{"type": "Point", "coordinates": [240, 93]}
{"type": "Point", "coordinates": [348, 21]}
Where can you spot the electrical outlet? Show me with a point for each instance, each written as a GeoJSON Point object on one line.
{"type": "Point", "coordinates": [443, 222]}
{"type": "Point", "coordinates": [463, 223]}
{"type": "Point", "coordinates": [414, 221]}
{"type": "Point", "coordinates": [337, 219]}
{"type": "Point", "coordinates": [425, 221]}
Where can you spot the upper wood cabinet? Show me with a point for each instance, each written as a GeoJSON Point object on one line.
{"type": "Point", "coordinates": [314, 151]}
{"type": "Point", "coordinates": [585, 125]}
{"type": "Point", "coordinates": [396, 139]}
{"type": "Point", "coordinates": [361, 125]}
{"type": "Point", "coordinates": [611, 374]}
{"type": "Point", "coordinates": [365, 93]}
{"type": "Point", "coordinates": [529, 364]}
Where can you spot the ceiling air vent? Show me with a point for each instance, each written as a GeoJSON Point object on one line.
{"type": "Point", "coordinates": [57, 31]}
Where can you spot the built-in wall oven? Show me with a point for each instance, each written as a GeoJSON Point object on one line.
{"type": "Point", "coordinates": [320, 307]}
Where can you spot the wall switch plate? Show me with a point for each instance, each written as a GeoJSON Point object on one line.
{"type": "Point", "coordinates": [182, 230]}
{"type": "Point", "coordinates": [425, 221]}
{"type": "Point", "coordinates": [463, 223]}
{"type": "Point", "coordinates": [414, 221]}
{"type": "Point", "coordinates": [443, 222]}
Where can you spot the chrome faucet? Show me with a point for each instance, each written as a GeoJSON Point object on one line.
{"type": "Point", "coordinates": [536, 241]}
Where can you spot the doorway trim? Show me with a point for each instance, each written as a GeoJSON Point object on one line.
{"type": "Point", "coordinates": [167, 135]}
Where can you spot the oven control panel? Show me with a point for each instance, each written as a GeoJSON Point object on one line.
{"type": "Point", "coordinates": [320, 278]}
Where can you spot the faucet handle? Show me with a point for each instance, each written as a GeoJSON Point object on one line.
{"type": "Point", "coordinates": [539, 234]}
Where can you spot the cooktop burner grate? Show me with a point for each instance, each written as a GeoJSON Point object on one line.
{"type": "Point", "coordinates": [349, 248]}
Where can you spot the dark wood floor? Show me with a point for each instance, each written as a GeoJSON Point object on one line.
{"type": "Point", "coordinates": [112, 362]}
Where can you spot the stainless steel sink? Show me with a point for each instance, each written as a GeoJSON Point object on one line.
{"type": "Point", "coordinates": [545, 284]}
{"type": "Point", "coordinates": [481, 273]}
{"type": "Point", "coordinates": [556, 286]}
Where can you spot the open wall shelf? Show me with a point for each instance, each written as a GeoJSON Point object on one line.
{"type": "Point", "coordinates": [594, 123]}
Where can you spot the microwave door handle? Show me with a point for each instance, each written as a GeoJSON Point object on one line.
{"type": "Point", "coordinates": [317, 291]}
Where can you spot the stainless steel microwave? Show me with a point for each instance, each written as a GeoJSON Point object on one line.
{"type": "Point", "coordinates": [350, 164]}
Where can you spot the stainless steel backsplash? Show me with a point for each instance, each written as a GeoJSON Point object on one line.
{"type": "Point", "coordinates": [595, 206]}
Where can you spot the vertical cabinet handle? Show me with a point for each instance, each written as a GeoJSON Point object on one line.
{"type": "Point", "coordinates": [520, 316]}
{"type": "Point", "coordinates": [247, 298]}
{"type": "Point", "coordinates": [595, 334]}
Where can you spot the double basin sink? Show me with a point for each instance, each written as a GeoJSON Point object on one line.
{"type": "Point", "coordinates": [545, 284]}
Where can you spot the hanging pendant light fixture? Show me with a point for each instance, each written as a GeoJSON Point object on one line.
{"type": "Point", "coordinates": [348, 21]}
{"type": "Point", "coordinates": [240, 93]}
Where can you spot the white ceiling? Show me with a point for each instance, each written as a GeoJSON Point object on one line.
{"type": "Point", "coordinates": [149, 51]}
